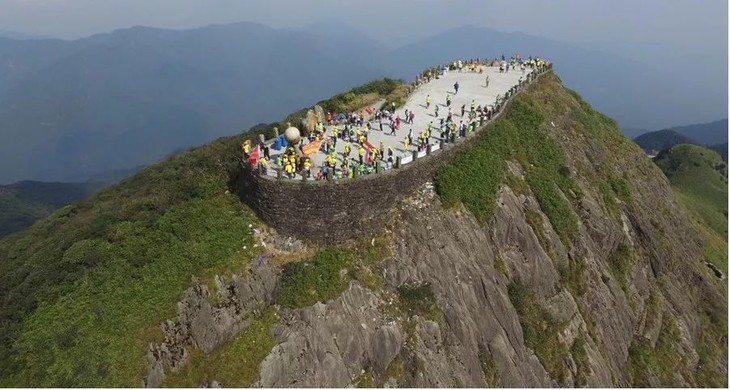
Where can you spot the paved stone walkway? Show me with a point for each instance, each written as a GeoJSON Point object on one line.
{"type": "Point", "coordinates": [471, 86]}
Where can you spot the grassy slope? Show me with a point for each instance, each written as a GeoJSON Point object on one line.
{"type": "Point", "coordinates": [699, 177]}
{"type": "Point", "coordinates": [84, 291]}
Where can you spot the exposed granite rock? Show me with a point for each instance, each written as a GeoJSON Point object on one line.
{"type": "Point", "coordinates": [328, 345]}
{"type": "Point", "coordinates": [205, 325]}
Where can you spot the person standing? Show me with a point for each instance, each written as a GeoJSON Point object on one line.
{"type": "Point", "coordinates": [456, 86]}
{"type": "Point", "coordinates": [361, 153]}
{"type": "Point", "coordinates": [428, 101]}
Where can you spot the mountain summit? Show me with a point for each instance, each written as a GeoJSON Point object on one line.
{"type": "Point", "coordinates": [550, 252]}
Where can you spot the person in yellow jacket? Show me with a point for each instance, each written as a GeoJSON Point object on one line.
{"type": "Point", "coordinates": [264, 164]}
{"type": "Point", "coordinates": [361, 153]}
{"type": "Point", "coordinates": [308, 167]}
{"type": "Point", "coordinates": [373, 154]}
{"type": "Point", "coordinates": [246, 148]}
{"type": "Point", "coordinates": [405, 143]}
{"type": "Point", "coordinates": [347, 150]}
{"type": "Point", "coordinates": [428, 101]}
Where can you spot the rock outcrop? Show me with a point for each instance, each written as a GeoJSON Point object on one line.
{"type": "Point", "coordinates": [206, 325]}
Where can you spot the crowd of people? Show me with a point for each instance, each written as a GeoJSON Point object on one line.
{"type": "Point", "coordinates": [361, 157]}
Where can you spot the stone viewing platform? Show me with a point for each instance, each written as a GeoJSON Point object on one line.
{"type": "Point", "coordinates": [340, 209]}
{"type": "Point", "coordinates": [386, 139]}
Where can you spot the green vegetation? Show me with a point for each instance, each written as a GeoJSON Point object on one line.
{"type": "Point", "coordinates": [365, 381]}
{"type": "Point", "coordinates": [419, 300]}
{"type": "Point", "coordinates": [580, 356]}
{"type": "Point", "coordinates": [653, 309]}
{"type": "Point", "coordinates": [621, 263]}
{"type": "Point", "coordinates": [699, 176]}
{"type": "Point", "coordinates": [715, 248]}
{"type": "Point", "coordinates": [329, 272]}
{"type": "Point", "coordinates": [306, 283]}
{"type": "Point", "coordinates": [474, 177]}
{"type": "Point", "coordinates": [571, 277]}
{"type": "Point", "coordinates": [711, 348]}
{"type": "Point", "coordinates": [83, 288]}
{"type": "Point", "coordinates": [663, 362]}
{"type": "Point", "coordinates": [534, 219]}
{"type": "Point", "coordinates": [395, 370]}
{"type": "Point", "coordinates": [489, 369]}
{"type": "Point", "coordinates": [539, 330]}
{"type": "Point", "coordinates": [500, 266]}
{"type": "Point", "coordinates": [235, 364]}
{"type": "Point", "coordinates": [615, 190]}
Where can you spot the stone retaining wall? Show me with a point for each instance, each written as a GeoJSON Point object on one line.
{"type": "Point", "coordinates": [335, 211]}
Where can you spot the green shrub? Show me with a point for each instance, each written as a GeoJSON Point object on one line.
{"type": "Point", "coordinates": [663, 362]}
{"type": "Point", "coordinates": [419, 300]}
{"type": "Point", "coordinates": [305, 283]}
{"type": "Point", "coordinates": [489, 369]}
{"type": "Point", "coordinates": [540, 330]}
{"type": "Point", "coordinates": [621, 263]}
{"type": "Point", "coordinates": [580, 356]}
{"type": "Point", "coordinates": [395, 370]}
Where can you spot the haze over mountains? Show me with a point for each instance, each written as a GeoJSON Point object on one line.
{"type": "Point", "coordinates": [72, 109]}
{"type": "Point", "coordinates": [713, 135]}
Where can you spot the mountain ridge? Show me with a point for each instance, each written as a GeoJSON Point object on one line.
{"type": "Point", "coordinates": [710, 134]}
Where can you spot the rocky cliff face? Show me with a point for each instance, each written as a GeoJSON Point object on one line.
{"type": "Point", "coordinates": [625, 299]}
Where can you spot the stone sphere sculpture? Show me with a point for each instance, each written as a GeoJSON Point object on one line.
{"type": "Point", "coordinates": [292, 135]}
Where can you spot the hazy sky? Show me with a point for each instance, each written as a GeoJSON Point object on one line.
{"type": "Point", "coordinates": [692, 25]}
{"type": "Point", "coordinates": [659, 33]}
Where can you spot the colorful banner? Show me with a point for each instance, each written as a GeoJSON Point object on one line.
{"type": "Point", "coordinates": [311, 148]}
{"type": "Point", "coordinates": [253, 158]}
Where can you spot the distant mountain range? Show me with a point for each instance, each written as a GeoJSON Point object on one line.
{"type": "Point", "coordinates": [119, 100]}
{"type": "Point", "coordinates": [22, 203]}
{"type": "Point", "coordinates": [713, 135]}
{"type": "Point", "coordinates": [70, 109]}
{"type": "Point", "coordinates": [20, 35]}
